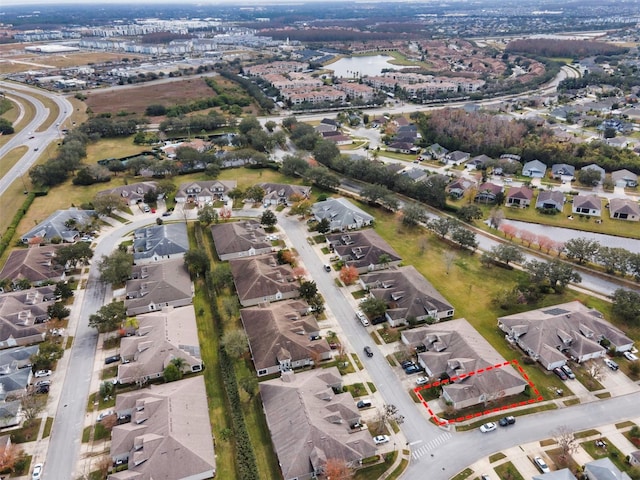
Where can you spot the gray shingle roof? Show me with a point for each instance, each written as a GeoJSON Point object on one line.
{"type": "Point", "coordinates": [36, 264]}
{"type": "Point", "coordinates": [363, 248]}
{"type": "Point", "coordinates": [54, 225]}
{"type": "Point", "coordinates": [239, 237]}
{"type": "Point", "coordinates": [341, 213]}
{"type": "Point", "coordinates": [160, 241]}
{"type": "Point", "coordinates": [261, 277]}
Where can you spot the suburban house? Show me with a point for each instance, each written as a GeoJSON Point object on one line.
{"type": "Point", "coordinates": [624, 209]}
{"type": "Point", "coordinates": [457, 157]}
{"type": "Point", "coordinates": [160, 242]}
{"type": "Point", "coordinates": [204, 191]}
{"type": "Point", "coordinates": [23, 314]}
{"type": "Point", "coordinates": [261, 279]}
{"type": "Point", "coordinates": [342, 214]}
{"type": "Point", "coordinates": [519, 197]}
{"type": "Point", "coordinates": [562, 171]}
{"type": "Point", "coordinates": [624, 178]}
{"type": "Point", "coordinates": [598, 169]}
{"type": "Point", "coordinates": [587, 205]}
{"type": "Point", "coordinates": [459, 187]}
{"type": "Point", "coordinates": [365, 250]}
{"type": "Point", "coordinates": [455, 350]}
{"type": "Point", "coordinates": [437, 151]}
{"type": "Point", "coordinates": [15, 376]}
{"type": "Point", "coordinates": [159, 338]}
{"type": "Point", "coordinates": [409, 296]}
{"type": "Point", "coordinates": [534, 169]}
{"type": "Point", "coordinates": [157, 285]}
{"type": "Point", "coordinates": [284, 193]}
{"type": "Point", "coordinates": [282, 336]}
{"type": "Point", "coordinates": [604, 469]}
{"type": "Point", "coordinates": [553, 334]}
{"type": "Point", "coordinates": [36, 264]}
{"type": "Point", "coordinates": [400, 147]}
{"type": "Point", "coordinates": [245, 238]}
{"type": "Point", "coordinates": [62, 224]}
{"type": "Point", "coordinates": [548, 199]}
{"type": "Point", "coordinates": [479, 162]}
{"type": "Point", "coordinates": [488, 193]}
{"type": "Point", "coordinates": [323, 127]}
{"type": "Point", "coordinates": [309, 423]}
{"type": "Point", "coordinates": [416, 174]}
{"type": "Point", "coordinates": [131, 194]}
{"type": "Point", "coordinates": [169, 435]}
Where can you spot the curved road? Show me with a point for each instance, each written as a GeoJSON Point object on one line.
{"type": "Point", "coordinates": [41, 140]}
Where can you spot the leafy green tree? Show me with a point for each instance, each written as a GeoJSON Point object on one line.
{"type": "Point", "coordinates": [254, 193]}
{"type": "Point", "coordinates": [268, 219]}
{"type": "Point", "coordinates": [588, 176]}
{"type": "Point", "coordinates": [116, 268]}
{"type": "Point", "coordinates": [107, 204]}
{"type": "Point", "coordinates": [464, 237]}
{"type": "Point", "coordinates": [221, 277]}
{"type": "Point", "coordinates": [270, 125]}
{"type": "Point", "coordinates": [317, 304]}
{"type": "Point", "coordinates": [441, 226]}
{"type": "Point", "coordinates": [171, 373]}
{"type": "Point", "coordinates": [208, 215]}
{"type": "Point", "coordinates": [58, 310]}
{"type": "Point", "coordinates": [108, 317]}
{"type": "Point", "coordinates": [235, 342]}
{"type": "Point", "coordinates": [373, 307]}
{"type": "Point", "coordinates": [413, 214]}
{"type": "Point", "coordinates": [324, 226]}
{"type": "Point", "coordinates": [581, 249]}
{"type": "Point", "coordinates": [614, 259]}
{"type": "Point", "coordinates": [325, 152]}
{"type": "Point", "coordinates": [197, 262]}
{"type": "Point", "coordinates": [468, 213]}
{"type": "Point", "coordinates": [626, 305]}
{"type": "Point", "coordinates": [249, 123]}
{"type": "Point", "coordinates": [249, 384]}
{"type": "Point", "coordinates": [48, 353]}
{"type": "Point", "coordinates": [107, 388]}
{"type": "Point", "coordinates": [63, 289]}
{"type": "Point", "coordinates": [307, 290]}
{"type": "Point", "coordinates": [79, 252]}
{"type": "Point", "coordinates": [506, 253]}
{"type": "Point", "coordinates": [323, 178]}
{"type": "Point", "coordinates": [555, 274]}
{"type": "Point", "coordinates": [294, 166]}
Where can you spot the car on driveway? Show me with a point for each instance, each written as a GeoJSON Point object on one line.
{"type": "Point", "coordinates": [112, 359]}
{"type": "Point", "coordinates": [488, 427]}
{"type": "Point", "coordinates": [42, 373]}
{"type": "Point", "coordinates": [380, 439]}
{"type": "Point", "coordinates": [368, 351]}
{"type": "Point", "coordinates": [542, 465]}
{"type": "Point", "coordinates": [506, 421]}
{"type": "Point", "coordinates": [568, 372]}
{"type": "Point", "coordinates": [103, 415]}
{"type": "Point", "coordinates": [411, 369]}
{"type": "Point", "coordinates": [611, 364]}
{"type": "Point", "coordinates": [41, 383]}
{"type": "Point", "coordinates": [406, 363]}
{"type": "Point", "coordinates": [560, 373]}
{"type": "Point", "coordinates": [630, 356]}
{"type": "Point", "coordinates": [422, 380]}
{"type": "Point", "coordinates": [37, 472]}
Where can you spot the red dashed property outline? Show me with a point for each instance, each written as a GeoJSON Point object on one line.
{"type": "Point", "coordinates": [516, 365]}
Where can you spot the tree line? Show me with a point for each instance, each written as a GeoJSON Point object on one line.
{"type": "Point", "coordinates": [549, 47]}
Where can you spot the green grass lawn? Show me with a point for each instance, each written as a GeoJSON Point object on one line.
{"type": "Point", "coordinates": [507, 471]}
{"type": "Point", "coordinates": [610, 451]}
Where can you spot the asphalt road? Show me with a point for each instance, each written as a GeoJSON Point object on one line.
{"type": "Point", "coordinates": [66, 433]}
{"type": "Point", "coordinates": [42, 139]}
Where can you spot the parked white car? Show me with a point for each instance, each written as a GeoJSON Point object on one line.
{"type": "Point", "coordinates": [542, 465]}
{"type": "Point", "coordinates": [42, 373]}
{"type": "Point", "coordinates": [380, 439]}
{"type": "Point", "coordinates": [488, 427]}
{"type": "Point", "coordinates": [422, 380]}
{"type": "Point", "coordinates": [630, 356]}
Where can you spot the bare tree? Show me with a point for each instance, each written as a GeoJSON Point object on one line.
{"type": "Point", "coordinates": [449, 258]}
{"type": "Point", "coordinates": [594, 369]}
{"type": "Point", "coordinates": [337, 469]}
{"type": "Point", "coordinates": [32, 405]}
{"type": "Point", "coordinates": [566, 441]}
{"type": "Point", "coordinates": [9, 455]}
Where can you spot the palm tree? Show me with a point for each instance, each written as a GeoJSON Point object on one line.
{"type": "Point", "coordinates": [179, 362]}
{"type": "Point", "coordinates": [384, 260]}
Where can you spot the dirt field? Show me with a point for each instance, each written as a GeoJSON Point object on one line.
{"type": "Point", "coordinates": [136, 98]}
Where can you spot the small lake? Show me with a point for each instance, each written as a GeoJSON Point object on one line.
{"type": "Point", "coordinates": [351, 67]}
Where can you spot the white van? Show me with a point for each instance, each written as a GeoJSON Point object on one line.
{"type": "Point", "coordinates": [363, 318]}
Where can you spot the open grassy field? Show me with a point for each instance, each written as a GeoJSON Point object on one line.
{"type": "Point", "coordinates": [9, 160]}
{"type": "Point", "coordinates": [112, 148]}
{"type": "Point", "coordinates": [136, 98]}
{"type": "Point", "coordinates": [14, 59]}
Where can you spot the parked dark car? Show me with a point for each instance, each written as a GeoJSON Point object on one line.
{"type": "Point", "coordinates": [406, 363]}
{"type": "Point", "coordinates": [368, 351]}
{"type": "Point", "coordinates": [412, 369]}
{"type": "Point", "coordinates": [112, 359]}
{"type": "Point", "coordinates": [558, 371]}
{"type": "Point", "coordinates": [505, 421]}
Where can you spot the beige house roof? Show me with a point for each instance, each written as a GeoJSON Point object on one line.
{"type": "Point", "coordinates": [309, 423]}
{"type": "Point", "coordinates": [624, 207]}
{"type": "Point", "coordinates": [284, 191]}
{"type": "Point", "coordinates": [131, 193]}
{"type": "Point", "coordinates": [160, 337]}
{"type": "Point", "coordinates": [36, 264]}
{"type": "Point", "coordinates": [282, 326]}
{"type": "Point", "coordinates": [568, 327]}
{"type": "Point", "coordinates": [362, 249]}
{"type": "Point", "coordinates": [157, 284]}
{"type": "Point", "coordinates": [407, 293]}
{"type": "Point", "coordinates": [169, 435]}
{"type": "Point", "coordinates": [261, 278]}
{"type": "Point", "coordinates": [240, 237]}
{"type": "Point", "coordinates": [23, 315]}
{"type": "Point", "coordinates": [455, 348]}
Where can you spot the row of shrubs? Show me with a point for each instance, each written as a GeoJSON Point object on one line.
{"type": "Point", "coordinates": [11, 230]}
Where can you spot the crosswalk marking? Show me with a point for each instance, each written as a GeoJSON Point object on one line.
{"type": "Point", "coordinates": [431, 445]}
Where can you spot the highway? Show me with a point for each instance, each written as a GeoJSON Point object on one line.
{"type": "Point", "coordinates": [40, 140]}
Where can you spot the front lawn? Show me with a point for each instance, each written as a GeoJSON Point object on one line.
{"type": "Point", "coordinates": [506, 471]}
